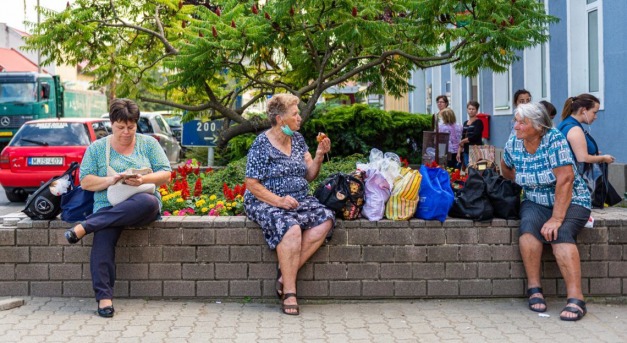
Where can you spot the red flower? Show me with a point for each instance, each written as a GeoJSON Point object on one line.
{"type": "Point", "coordinates": [198, 188]}
{"type": "Point", "coordinates": [404, 162]}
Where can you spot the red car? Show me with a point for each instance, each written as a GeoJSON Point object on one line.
{"type": "Point", "coordinates": [45, 148]}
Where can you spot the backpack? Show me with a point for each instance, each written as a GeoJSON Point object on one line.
{"type": "Point", "coordinates": [43, 204]}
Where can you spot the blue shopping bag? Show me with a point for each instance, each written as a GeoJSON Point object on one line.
{"type": "Point", "coordinates": [77, 203]}
{"type": "Point", "coordinates": [436, 194]}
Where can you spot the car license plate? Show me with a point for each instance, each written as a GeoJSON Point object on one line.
{"type": "Point", "coordinates": [45, 161]}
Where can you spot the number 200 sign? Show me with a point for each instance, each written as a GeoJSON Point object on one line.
{"type": "Point", "coordinates": [199, 133]}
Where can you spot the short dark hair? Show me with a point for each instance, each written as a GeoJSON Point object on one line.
{"type": "Point", "coordinates": [473, 103]}
{"type": "Point", "coordinates": [519, 93]}
{"type": "Point", "coordinates": [550, 109]}
{"type": "Point", "coordinates": [443, 97]}
{"type": "Point", "coordinates": [124, 110]}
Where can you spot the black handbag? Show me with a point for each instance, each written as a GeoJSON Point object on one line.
{"type": "Point", "coordinates": [601, 191]}
{"type": "Point", "coordinates": [77, 203]}
{"type": "Point", "coordinates": [43, 205]}
{"type": "Point", "coordinates": [334, 192]}
{"type": "Point", "coordinates": [472, 202]}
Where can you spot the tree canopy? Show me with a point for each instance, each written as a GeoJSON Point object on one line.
{"type": "Point", "coordinates": [208, 53]}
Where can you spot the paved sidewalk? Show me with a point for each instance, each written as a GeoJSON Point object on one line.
{"type": "Point", "coordinates": [493, 320]}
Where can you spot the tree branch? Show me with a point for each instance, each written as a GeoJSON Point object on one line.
{"type": "Point", "coordinates": [168, 47]}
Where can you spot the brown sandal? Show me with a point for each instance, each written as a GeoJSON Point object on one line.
{"type": "Point", "coordinates": [284, 307]}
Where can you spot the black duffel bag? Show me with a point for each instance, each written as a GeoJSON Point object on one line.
{"type": "Point", "coordinates": [43, 205]}
{"type": "Point", "coordinates": [472, 201]}
{"type": "Point", "coordinates": [504, 195]}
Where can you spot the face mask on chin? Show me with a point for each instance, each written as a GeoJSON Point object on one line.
{"type": "Point", "coordinates": [286, 130]}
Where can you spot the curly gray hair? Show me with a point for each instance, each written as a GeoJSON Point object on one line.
{"type": "Point", "coordinates": [278, 105]}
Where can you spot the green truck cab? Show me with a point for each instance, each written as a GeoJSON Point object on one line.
{"type": "Point", "coordinates": [27, 96]}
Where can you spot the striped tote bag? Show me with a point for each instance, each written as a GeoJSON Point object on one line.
{"type": "Point", "coordinates": [404, 199]}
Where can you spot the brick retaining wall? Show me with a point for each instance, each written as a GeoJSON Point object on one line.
{"type": "Point", "coordinates": [226, 257]}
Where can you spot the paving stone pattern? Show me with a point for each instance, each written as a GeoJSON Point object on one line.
{"type": "Point", "coordinates": [490, 320]}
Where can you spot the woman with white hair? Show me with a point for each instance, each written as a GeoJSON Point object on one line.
{"type": "Point", "coordinates": [555, 207]}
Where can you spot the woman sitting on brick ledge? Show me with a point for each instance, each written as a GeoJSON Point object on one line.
{"type": "Point", "coordinates": [278, 170]}
{"type": "Point", "coordinates": [124, 149]}
{"type": "Point", "coordinates": [555, 207]}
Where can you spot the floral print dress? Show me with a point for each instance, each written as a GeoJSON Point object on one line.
{"type": "Point", "coordinates": [282, 175]}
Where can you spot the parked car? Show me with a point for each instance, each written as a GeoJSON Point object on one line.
{"type": "Point", "coordinates": [176, 126]}
{"type": "Point", "coordinates": [45, 148]}
{"type": "Point", "coordinates": [154, 125]}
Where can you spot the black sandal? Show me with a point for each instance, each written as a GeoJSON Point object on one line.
{"type": "Point", "coordinates": [579, 312]}
{"type": "Point", "coordinates": [106, 312]}
{"type": "Point", "coordinates": [278, 284]}
{"type": "Point", "coordinates": [71, 236]}
{"type": "Point", "coordinates": [284, 307]}
{"type": "Point", "coordinates": [536, 300]}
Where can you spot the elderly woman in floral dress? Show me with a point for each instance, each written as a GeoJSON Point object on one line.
{"type": "Point", "coordinates": [278, 170]}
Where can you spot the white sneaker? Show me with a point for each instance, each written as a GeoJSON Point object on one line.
{"type": "Point", "coordinates": [590, 223]}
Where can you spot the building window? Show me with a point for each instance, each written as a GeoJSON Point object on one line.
{"type": "Point", "coordinates": [502, 85]}
{"type": "Point", "coordinates": [585, 27]}
{"type": "Point", "coordinates": [536, 68]}
{"type": "Point", "coordinates": [593, 50]}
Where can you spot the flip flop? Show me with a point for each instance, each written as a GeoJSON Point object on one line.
{"type": "Point", "coordinates": [278, 284]}
{"type": "Point", "coordinates": [536, 300]}
{"type": "Point", "coordinates": [579, 312]}
{"type": "Point", "coordinates": [284, 307]}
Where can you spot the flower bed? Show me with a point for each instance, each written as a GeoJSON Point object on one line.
{"type": "Point", "coordinates": [184, 194]}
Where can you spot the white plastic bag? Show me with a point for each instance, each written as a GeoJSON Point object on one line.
{"type": "Point", "coordinates": [388, 164]}
{"type": "Point", "coordinates": [378, 192]}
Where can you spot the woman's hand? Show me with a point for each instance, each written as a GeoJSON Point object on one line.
{"type": "Point", "coordinates": [550, 228]}
{"type": "Point", "coordinates": [324, 146]}
{"type": "Point", "coordinates": [133, 180]}
{"type": "Point", "coordinates": [608, 159]}
{"type": "Point", "coordinates": [459, 157]}
{"type": "Point", "coordinates": [287, 202]}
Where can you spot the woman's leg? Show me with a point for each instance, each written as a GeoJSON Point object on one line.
{"type": "Point", "coordinates": [288, 253]}
{"type": "Point", "coordinates": [567, 257]}
{"type": "Point", "coordinates": [107, 225]}
{"type": "Point", "coordinates": [140, 209]}
{"type": "Point", "coordinates": [531, 252]}
{"type": "Point", "coordinates": [102, 264]}
{"type": "Point", "coordinates": [296, 247]}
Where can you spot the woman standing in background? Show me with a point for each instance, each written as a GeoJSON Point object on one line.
{"type": "Point", "coordinates": [471, 134]}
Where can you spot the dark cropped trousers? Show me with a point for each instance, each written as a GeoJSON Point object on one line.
{"type": "Point", "coordinates": [107, 225]}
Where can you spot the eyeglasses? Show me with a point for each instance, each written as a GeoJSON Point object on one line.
{"type": "Point", "coordinates": [441, 102]}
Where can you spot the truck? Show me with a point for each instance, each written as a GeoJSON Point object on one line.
{"type": "Point", "coordinates": [26, 96]}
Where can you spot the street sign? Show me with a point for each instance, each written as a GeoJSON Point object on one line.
{"type": "Point", "coordinates": [198, 133]}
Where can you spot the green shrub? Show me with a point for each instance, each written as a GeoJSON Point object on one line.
{"type": "Point", "coordinates": [359, 128]}
{"type": "Point", "coordinates": [352, 129]}
{"type": "Point", "coordinates": [232, 174]}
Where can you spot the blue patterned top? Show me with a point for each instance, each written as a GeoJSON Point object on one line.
{"type": "Point", "coordinates": [280, 174]}
{"type": "Point", "coordinates": [534, 172]}
{"type": "Point", "coordinates": [147, 153]}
